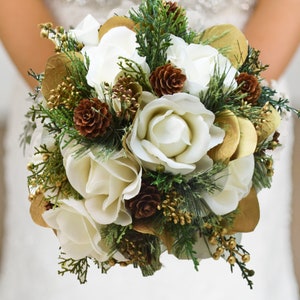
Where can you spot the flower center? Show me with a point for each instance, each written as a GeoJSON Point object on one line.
{"type": "Point", "coordinates": [169, 133]}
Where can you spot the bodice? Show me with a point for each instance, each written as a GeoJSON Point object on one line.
{"type": "Point", "coordinates": [201, 13]}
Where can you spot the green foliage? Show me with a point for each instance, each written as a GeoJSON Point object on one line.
{"type": "Point", "coordinates": [253, 65]}
{"type": "Point", "coordinates": [281, 104]}
{"type": "Point", "coordinates": [131, 68]}
{"type": "Point", "coordinates": [49, 175]}
{"type": "Point", "coordinates": [155, 26]}
{"type": "Point", "coordinates": [77, 267]}
{"type": "Point", "coordinates": [218, 97]}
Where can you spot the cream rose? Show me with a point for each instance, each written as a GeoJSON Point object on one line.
{"type": "Point", "coordinates": [76, 231]}
{"type": "Point", "coordinates": [86, 31]}
{"type": "Point", "coordinates": [236, 183]}
{"type": "Point", "coordinates": [199, 63]}
{"type": "Point", "coordinates": [103, 58]}
{"type": "Point", "coordinates": [104, 183]}
{"type": "Point", "coordinates": [175, 131]}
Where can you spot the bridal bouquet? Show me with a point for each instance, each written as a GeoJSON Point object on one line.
{"type": "Point", "coordinates": [150, 137]}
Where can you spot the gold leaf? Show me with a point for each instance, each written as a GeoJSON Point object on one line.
{"type": "Point", "coordinates": [248, 139]}
{"type": "Point", "coordinates": [115, 21]}
{"type": "Point", "coordinates": [248, 213]}
{"type": "Point", "coordinates": [229, 123]}
{"type": "Point", "coordinates": [271, 121]}
{"type": "Point", "coordinates": [56, 71]}
{"type": "Point", "coordinates": [37, 208]}
{"type": "Point", "coordinates": [224, 36]}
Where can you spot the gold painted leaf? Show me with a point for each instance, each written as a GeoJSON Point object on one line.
{"type": "Point", "coordinates": [37, 208]}
{"type": "Point", "coordinates": [56, 71]}
{"type": "Point", "coordinates": [271, 121]}
{"type": "Point", "coordinates": [229, 38]}
{"type": "Point", "coordinates": [115, 21]}
{"type": "Point", "coordinates": [229, 123]}
{"type": "Point", "coordinates": [248, 213]}
{"type": "Point", "coordinates": [248, 139]}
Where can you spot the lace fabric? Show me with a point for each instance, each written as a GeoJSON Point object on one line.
{"type": "Point", "coordinates": [201, 13]}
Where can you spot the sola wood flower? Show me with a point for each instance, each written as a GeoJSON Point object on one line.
{"type": "Point", "coordinates": [92, 118]}
{"type": "Point", "coordinates": [167, 80]}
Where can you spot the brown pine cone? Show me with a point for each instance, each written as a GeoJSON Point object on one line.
{"type": "Point", "coordinates": [249, 84]}
{"type": "Point", "coordinates": [144, 204]}
{"type": "Point", "coordinates": [92, 118]}
{"type": "Point", "coordinates": [173, 7]}
{"type": "Point", "coordinates": [167, 80]}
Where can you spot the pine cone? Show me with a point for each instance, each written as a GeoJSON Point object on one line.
{"type": "Point", "coordinates": [167, 80]}
{"type": "Point", "coordinates": [92, 118]}
{"type": "Point", "coordinates": [173, 8]}
{"type": "Point", "coordinates": [249, 85]}
{"type": "Point", "coordinates": [144, 204]}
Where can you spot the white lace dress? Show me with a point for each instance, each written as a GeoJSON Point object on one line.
{"type": "Point", "coordinates": [29, 266]}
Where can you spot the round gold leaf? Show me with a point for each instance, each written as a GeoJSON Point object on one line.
{"type": "Point", "coordinates": [56, 71]}
{"type": "Point", "coordinates": [248, 213]}
{"type": "Point", "coordinates": [229, 123]}
{"type": "Point", "coordinates": [248, 139]}
{"type": "Point", "coordinates": [230, 39]}
{"type": "Point", "coordinates": [115, 21]}
{"type": "Point", "coordinates": [271, 121]}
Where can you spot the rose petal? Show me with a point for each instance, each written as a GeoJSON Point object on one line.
{"type": "Point", "coordinates": [237, 186]}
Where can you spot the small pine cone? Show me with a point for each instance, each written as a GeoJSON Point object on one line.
{"type": "Point", "coordinates": [249, 84]}
{"type": "Point", "coordinates": [144, 204]}
{"type": "Point", "coordinates": [167, 80]}
{"type": "Point", "coordinates": [125, 97]}
{"type": "Point", "coordinates": [173, 8]}
{"type": "Point", "coordinates": [92, 118]}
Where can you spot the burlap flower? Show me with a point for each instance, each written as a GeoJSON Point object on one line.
{"type": "Point", "coordinates": [250, 85]}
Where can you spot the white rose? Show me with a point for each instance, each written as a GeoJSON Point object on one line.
{"type": "Point", "coordinates": [238, 183]}
{"type": "Point", "coordinates": [76, 231]}
{"type": "Point", "coordinates": [199, 63]}
{"type": "Point", "coordinates": [86, 31]}
{"type": "Point", "coordinates": [175, 131]}
{"type": "Point", "coordinates": [104, 183]}
{"type": "Point", "coordinates": [117, 42]}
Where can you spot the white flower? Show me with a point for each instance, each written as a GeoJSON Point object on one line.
{"type": "Point", "coordinates": [104, 183]}
{"type": "Point", "coordinates": [76, 231]}
{"type": "Point", "coordinates": [87, 31]}
{"type": "Point", "coordinates": [117, 42]}
{"type": "Point", "coordinates": [238, 183]}
{"type": "Point", "coordinates": [175, 131]}
{"type": "Point", "coordinates": [199, 63]}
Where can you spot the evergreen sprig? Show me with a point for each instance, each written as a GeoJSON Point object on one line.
{"type": "Point", "coordinates": [77, 267]}
{"type": "Point", "coordinates": [154, 28]}
{"type": "Point", "coordinates": [131, 68]}
{"type": "Point", "coordinates": [252, 64]}
{"type": "Point", "coordinates": [185, 238]}
{"type": "Point", "coordinates": [218, 97]}
{"type": "Point", "coordinates": [49, 174]}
